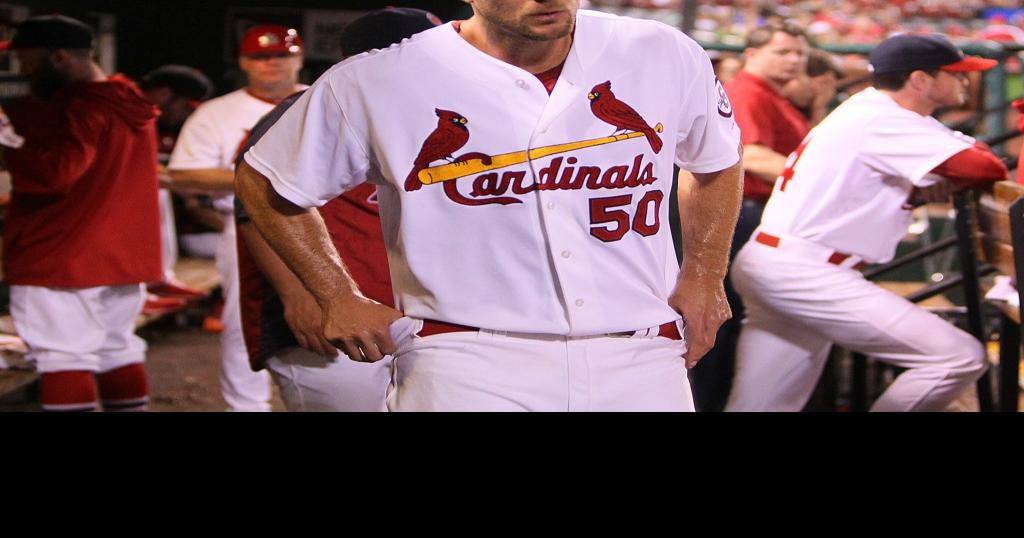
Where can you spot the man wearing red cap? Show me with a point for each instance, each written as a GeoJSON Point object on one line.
{"type": "Point", "coordinates": [203, 159]}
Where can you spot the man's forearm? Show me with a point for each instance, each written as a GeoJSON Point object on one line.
{"type": "Point", "coordinates": [205, 179]}
{"type": "Point", "coordinates": [709, 205]}
{"type": "Point", "coordinates": [269, 263]}
{"type": "Point", "coordinates": [297, 235]}
{"type": "Point", "coordinates": [763, 162]}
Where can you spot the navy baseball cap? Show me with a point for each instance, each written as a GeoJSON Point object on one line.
{"type": "Point", "coordinates": [912, 52]}
{"type": "Point", "coordinates": [185, 81]}
{"type": "Point", "coordinates": [382, 28]}
{"type": "Point", "coordinates": [50, 32]}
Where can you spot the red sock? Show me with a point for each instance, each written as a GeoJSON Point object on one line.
{"type": "Point", "coordinates": [68, 391]}
{"type": "Point", "coordinates": [124, 389]}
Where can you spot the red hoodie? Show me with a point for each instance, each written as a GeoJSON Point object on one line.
{"type": "Point", "coordinates": [84, 208]}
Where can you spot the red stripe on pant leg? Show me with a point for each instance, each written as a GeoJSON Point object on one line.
{"type": "Point", "coordinates": [68, 391]}
{"type": "Point", "coordinates": [125, 388]}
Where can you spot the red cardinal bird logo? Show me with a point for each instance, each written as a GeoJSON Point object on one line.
{"type": "Point", "coordinates": [450, 135]}
{"type": "Point", "coordinates": [610, 110]}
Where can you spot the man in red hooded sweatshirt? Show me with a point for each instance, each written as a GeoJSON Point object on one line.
{"type": "Point", "coordinates": [82, 233]}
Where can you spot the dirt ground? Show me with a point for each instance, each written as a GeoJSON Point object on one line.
{"type": "Point", "coordinates": [183, 374]}
{"type": "Point", "coordinates": [183, 371]}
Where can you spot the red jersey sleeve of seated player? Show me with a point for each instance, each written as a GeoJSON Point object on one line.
{"type": "Point", "coordinates": [973, 167]}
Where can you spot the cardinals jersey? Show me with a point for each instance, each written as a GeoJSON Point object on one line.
{"type": "Point", "coordinates": [845, 186]}
{"type": "Point", "coordinates": [504, 207]}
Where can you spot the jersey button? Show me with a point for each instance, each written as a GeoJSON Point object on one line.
{"type": "Point", "coordinates": [551, 205]}
{"type": "Point", "coordinates": [566, 254]}
{"type": "Point", "coordinates": [521, 83]}
{"type": "Point", "coordinates": [579, 302]}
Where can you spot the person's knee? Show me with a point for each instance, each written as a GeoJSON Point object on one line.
{"type": "Point", "coordinates": [967, 361]}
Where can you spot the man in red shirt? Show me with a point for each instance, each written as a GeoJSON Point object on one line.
{"type": "Point", "coordinates": [82, 233]}
{"type": "Point", "coordinates": [771, 128]}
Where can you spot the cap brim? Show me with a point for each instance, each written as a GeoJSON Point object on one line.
{"type": "Point", "coordinates": [971, 63]}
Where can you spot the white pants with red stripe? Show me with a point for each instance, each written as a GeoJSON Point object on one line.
{"type": "Point", "coordinates": [498, 371]}
{"type": "Point", "coordinates": [242, 388]}
{"type": "Point", "coordinates": [88, 329]}
{"type": "Point", "coordinates": [798, 305]}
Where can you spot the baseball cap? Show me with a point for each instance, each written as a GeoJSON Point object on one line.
{"type": "Point", "coordinates": [270, 39]}
{"type": "Point", "coordinates": [185, 81]}
{"type": "Point", "coordinates": [50, 32]}
{"type": "Point", "coordinates": [911, 52]}
{"type": "Point", "coordinates": [385, 27]}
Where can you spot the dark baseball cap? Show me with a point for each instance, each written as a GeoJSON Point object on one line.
{"type": "Point", "coordinates": [382, 28]}
{"type": "Point", "coordinates": [50, 32]}
{"type": "Point", "coordinates": [912, 52]}
{"type": "Point", "coordinates": [181, 79]}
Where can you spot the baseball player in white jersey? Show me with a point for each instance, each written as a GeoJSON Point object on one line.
{"type": "Point", "coordinates": [843, 200]}
{"type": "Point", "coordinates": [203, 158]}
{"type": "Point", "coordinates": [522, 159]}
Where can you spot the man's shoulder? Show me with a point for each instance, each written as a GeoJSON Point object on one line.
{"type": "Point", "coordinates": [372, 59]}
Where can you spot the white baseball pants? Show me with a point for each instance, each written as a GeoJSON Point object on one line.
{"type": "Point", "coordinates": [311, 382]}
{"type": "Point", "coordinates": [86, 329]}
{"type": "Point", "coordinates": [798, 305]}
{"type": "Point", "coordinates": [242, 388]}
{"type": "Point", "coordinates": [499, 371]}
{"type": "Point", "coordinates": [168, 234]}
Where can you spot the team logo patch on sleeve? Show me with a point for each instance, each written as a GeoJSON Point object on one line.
{"type": "Point", "coordinates": [724, 106]}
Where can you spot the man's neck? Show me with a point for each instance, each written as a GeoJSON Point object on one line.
{"type": "Point", "coordinates": [911, 101]}
{"type": "Point", "coordinates": [87, 72]}
{"type": "Point", "coordinates": [274, 94]}
{"type": "Point", "coordinates": [530, 55]}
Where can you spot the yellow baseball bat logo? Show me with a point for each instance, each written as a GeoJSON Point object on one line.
{"type": "Point", "coordinates": [456, 170]}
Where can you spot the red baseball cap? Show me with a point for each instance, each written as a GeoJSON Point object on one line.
{"type": "Point", "coordinates": [270, 39]}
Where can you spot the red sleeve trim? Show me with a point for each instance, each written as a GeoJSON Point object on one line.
{"type": "Point", "coordinates": [973, 167]}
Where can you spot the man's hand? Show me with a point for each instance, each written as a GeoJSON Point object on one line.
{"type": "Point", "coordinates": [702, 303]}
{"type": "Point", "coordinates": [359, 327]}
{"type": "Point", "coordinates": [163, 176]}
{"type": "Point", "coordinates": [305, 319]}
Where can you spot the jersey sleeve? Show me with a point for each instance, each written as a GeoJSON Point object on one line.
{"type": "Point", "coordinates": [708, 138]}
{"type": "Point", "coordinates": [312, 154]}
{"type": "Point", "coordinates": [911, 147]}
{"type": "Point", "coordinates": [199, 145]}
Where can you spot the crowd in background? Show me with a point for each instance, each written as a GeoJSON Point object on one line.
{"type": "Point", "coordinates": [839, 21]}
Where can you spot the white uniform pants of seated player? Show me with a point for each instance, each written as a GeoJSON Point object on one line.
{"type": "Point", "coordinates": [79, 329]}
{"type": "Point", "coordinates": [498, 371]}
{"type": "Point", "coordinates": [798, 304]}
{"type": "Point", "coordinates": [312, 382]}
{"type": "Point", "coordinates": [242, 388]}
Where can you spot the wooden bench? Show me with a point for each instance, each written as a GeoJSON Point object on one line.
{"type": "Point", "coordinates": [1000, 218]}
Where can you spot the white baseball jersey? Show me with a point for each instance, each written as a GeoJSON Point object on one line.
{"type": "Point", "coordinates": [845, 186]}
{"type": "Point", "coordinates": [213, 135]}
{"type": "Point", "coordinates": [548, 223]}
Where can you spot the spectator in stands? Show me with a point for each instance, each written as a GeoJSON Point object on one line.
{"type": "Point", "coordinates": [813, 92]}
